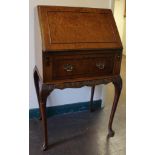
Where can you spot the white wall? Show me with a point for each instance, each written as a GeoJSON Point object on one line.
{"type": "Point", "coordinates": [120, 21]}
{"type": "Point", "coordinates": [66, 96]}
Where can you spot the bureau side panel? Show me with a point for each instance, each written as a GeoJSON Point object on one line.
{"type": "Point", "coordinates": [38, 44]}
{"type": "Point", "coordinates": [117, 60]}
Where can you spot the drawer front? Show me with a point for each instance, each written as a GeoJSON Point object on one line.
{"type": "Point", "coordinates": [78, 66]}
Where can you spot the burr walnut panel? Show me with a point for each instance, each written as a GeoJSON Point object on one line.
{"type": "Point", "coordinates": [97, 27]}
{"type": "Point", "coordinates": [66, 28]}
{"type": "Point", "coordinates": [67, 67]}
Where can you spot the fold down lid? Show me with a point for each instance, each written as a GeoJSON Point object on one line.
{"type": "Point", "coordinates": [68, 28]}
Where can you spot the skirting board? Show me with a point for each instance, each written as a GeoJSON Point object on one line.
{"type": "Point", "coordinates": [64, 109]}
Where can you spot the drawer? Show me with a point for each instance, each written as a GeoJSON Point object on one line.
{"type": "Point", "coordinates": [77, 66]}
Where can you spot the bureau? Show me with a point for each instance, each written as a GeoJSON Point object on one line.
{"type": "Point", "coordinates": [75, 47]}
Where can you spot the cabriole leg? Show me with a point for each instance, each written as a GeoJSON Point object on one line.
{"type": "Point", "coordinates": [36, 83]}
{"type": "Point", "coordinates": [118, 87]}
{"type": "Point", "coordinates": [91, 99]}
{"type": "Point", "coordinates": [44, 123]}
{"type": "Point", "coordinates": [43, 98]}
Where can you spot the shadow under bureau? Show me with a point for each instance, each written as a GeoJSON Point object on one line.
{"type": "Point", "coordinates": [75, 47]}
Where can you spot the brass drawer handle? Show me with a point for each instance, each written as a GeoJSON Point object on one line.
{"type": "Point", "coordinates": [100, 65]}
{"type": "Point", "coordinates": [68, 67]}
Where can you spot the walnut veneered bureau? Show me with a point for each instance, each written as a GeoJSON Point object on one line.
{"type": "Point", "coordinates": [76, 47]}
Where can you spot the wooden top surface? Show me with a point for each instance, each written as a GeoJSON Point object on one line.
{"type": "Point", "coordinates": [72, 28]}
